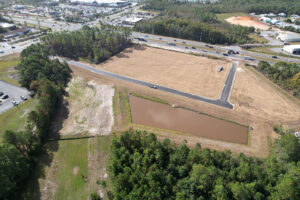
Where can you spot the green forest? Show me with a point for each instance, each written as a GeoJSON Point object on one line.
{"type": "Point", "coordinates": [230, 6]}
{"type": "Point", "coordinates": [89, 43]}
{"type": "Point", "coordinates": [193, 30]}
{"type": "Point", "coordinates": [198, 21]}
{"type": "Point", "coordinates": [19, 150]}
{"type": "Point", "coordinates": [287, 75]}
{"type": "Point", "coordinates": [142, 167]}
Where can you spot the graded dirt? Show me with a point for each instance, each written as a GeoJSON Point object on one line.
{"type": "Point", "coordinates": [258, 103]}
{"type": "Point", "coordinates": [188, 73]}
{"type": "Point", "coordinates": [247, 21]}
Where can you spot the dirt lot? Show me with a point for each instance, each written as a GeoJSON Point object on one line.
{"type": "Point", "coordinates": [247, 21]}
{"type": "Point", "coordinates": [90, 108]}
{"type": "Point", "coordinates": [193, 74]}
{"type": "Point", "coordinates": [258, 103]}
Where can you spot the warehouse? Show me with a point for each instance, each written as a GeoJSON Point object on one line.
{"type": "Point", "coordinates": [288, 37]}
{"type": "Point", "coordinates": [293, 49]}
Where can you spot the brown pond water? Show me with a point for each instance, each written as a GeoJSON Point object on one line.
{"type": "Point", "coordinates": [163, 116]}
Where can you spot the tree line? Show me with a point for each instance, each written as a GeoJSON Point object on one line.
{"type": "Point", "coordinates": [93, 44]}
{"type": "Point", "coordinates": [230, 6]}
{"type": "Point", "coordinates": [287, 75]}
{"type": "Point", "coordinates": [141, 167]}
{"type": "Point", "coordinates": [198, 31]}
{"type": "Point", "coordinates": [19, 149]}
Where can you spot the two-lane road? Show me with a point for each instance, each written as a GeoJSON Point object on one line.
{"type": "Point", "coordinates": [222, 101]}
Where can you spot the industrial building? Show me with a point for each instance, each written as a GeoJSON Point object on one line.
{"type": "Point", "coordinates": [293, 49]}
{"type": "Point", "coordinates": [288, 37]}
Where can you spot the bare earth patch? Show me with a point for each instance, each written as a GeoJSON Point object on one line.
{"type": "Point", "coordinates": [90, 108]}
{"type": "Point", "coordinates": [247, 21]}
{"type": "Point", "coordinates": [188, 73]}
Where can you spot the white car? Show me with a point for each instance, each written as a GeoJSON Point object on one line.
{"type": "Point", "coordinates": [14, 103]}
{"type": "Point", "coordinates": [297, 134]}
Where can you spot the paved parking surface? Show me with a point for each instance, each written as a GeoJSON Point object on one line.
{"type": "Point", "coordinates": [14, 93]}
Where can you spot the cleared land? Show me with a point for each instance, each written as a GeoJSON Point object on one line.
{"type": "Point", "coordinates": [258, 103]}
{"type": "Point", "coordinates": [188, 73]}
{"type": "Point", "coordinates": [73, 168]}
{"type": "Point", "coordinates": [89, 108]}
{"type": "Point", "coordinates": [247, 21]}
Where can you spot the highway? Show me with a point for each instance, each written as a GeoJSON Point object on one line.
{"type": "Point", "coordinates": [215, 50]}
{"type": "Point", "coordinates": [222, 101]}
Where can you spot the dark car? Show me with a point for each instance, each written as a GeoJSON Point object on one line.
{"type": "Point", "coordinates": [183, 42]}
{"type": "Point", "coordinates": [13, 47]}
{"type": "Point", "coordinates": [186, 47]}
{"type": "Point", "coordinates": [153, 86]}
{"type": "Point", "coordinates": [274, 57]}
{"type": "Point", "coordinates": [225, 54]}
{"type": "Point", "coordinates": [5, 96]}
{"type": "Point", "coordinates": [1, 93]}
{"type": "Point", "coordinates": [193, 47]}
{"type": "Point", "coordinates": [1, 51]}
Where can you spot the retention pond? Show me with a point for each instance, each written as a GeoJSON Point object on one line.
{"type": "Point", "coordinates": [163, 116]}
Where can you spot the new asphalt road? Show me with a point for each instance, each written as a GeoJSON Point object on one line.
{"type": "Point", "coordinates": [222, 101]}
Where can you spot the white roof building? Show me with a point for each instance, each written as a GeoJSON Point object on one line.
{"type": "Point", "coordinates": [288, 37]}
{"type": "Point", "coordinates": [282, 15]}
{"type": "Point", "coordinates": [293, 49]}
{"type": "Point", "coordinates": [6, 25]}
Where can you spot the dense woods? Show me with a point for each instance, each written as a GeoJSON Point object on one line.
{"type": "Point", "coordinates": [90, 43]}
{"type": "Point", "coordinates": [198, 21]}
{"type": "Point", "coordinates": [193, 30]}
{"type": "Point", "coordinates": [228, 6]}
{"type": "Point", "coordinates": [287, 75]}
{"type": "Point", "coordinates": [19, 150]}
{"type": "Point", "coordinates": [141, 167]}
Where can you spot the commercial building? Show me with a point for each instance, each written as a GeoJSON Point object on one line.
{"type": "Point", "coordinates": [131, 20]}
{"type": "Point", "coordinates": [289, 37]}
{"type": "Point", "coordinates": [293, 49]}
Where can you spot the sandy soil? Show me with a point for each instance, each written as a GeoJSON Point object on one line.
{"type": "Point", "coordinates": [257, 103]}
{"type": "Point", "coordinates": [90, 108]}
{"type": "Point", "coordinates": [193, 74]}
{"type": "Point", "coordinates": [247, 21]}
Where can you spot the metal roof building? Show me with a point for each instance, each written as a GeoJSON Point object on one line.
{"type": "Point", "coordinates": [288, 37]}
{"type": "Point", "coordinates": [294, 49]}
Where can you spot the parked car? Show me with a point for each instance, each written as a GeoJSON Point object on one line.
{"type": "Point", "coordinates": [14, 103]}
{"type": "Point", "coordinates": [220, 69]}
{"type": "Point", "coordinates": [1, 51]}
{"type": "Point", "coordinates": [186, 47]}
{"type": "Point", "coordinates": [274, 57]}
{"type": "Point", "coordinates": [183, 42]}
{"type": "Point", "coordinates": [5, 96]}
{"type": "Point", "coordinates": [1, 93]}
{"type": "Point", "coordinates": [193, 47]}
{"type": "Point", "coordinates": [297, 134]}
{"type": "Point", "coordinates": [13, 47]}
{"type": "Point", "coordinates": [23, 98]}
{"type": "Point", "coordinates": [225, 54]}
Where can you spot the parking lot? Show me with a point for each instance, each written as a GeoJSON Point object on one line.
{"type": "Point", "coordinates": [14, 94]}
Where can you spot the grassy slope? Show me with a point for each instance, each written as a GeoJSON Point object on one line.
{"type": "Point", "coordinates": [6, 68]}
{"type": "Point", "coordinates": [58, 167]}
{"type": "Point", "coordinates": [15, 118]}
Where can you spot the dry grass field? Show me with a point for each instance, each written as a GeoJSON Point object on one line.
{"type": "Point", "coordinates": [188, 73]}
